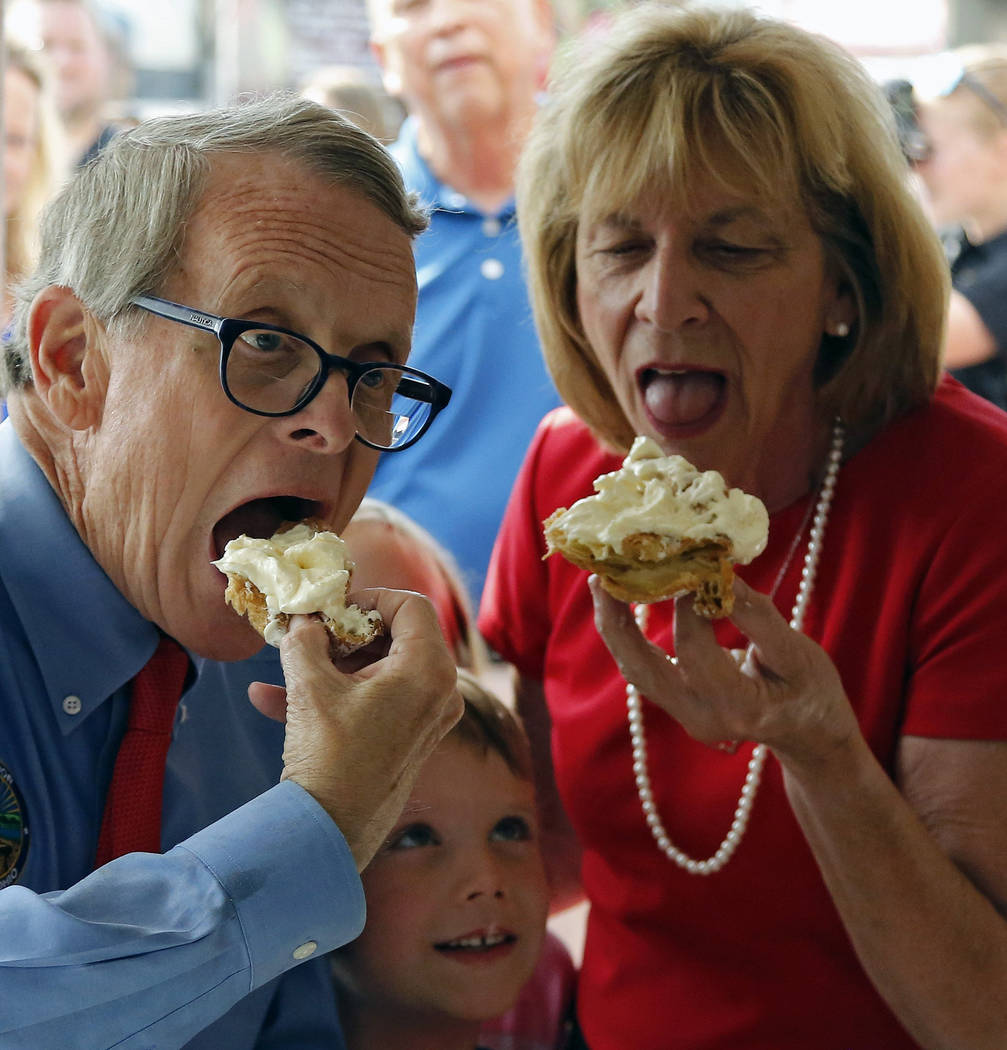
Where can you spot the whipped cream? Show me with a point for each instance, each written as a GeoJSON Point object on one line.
{"type": "Point", "coordinates": [668, 496]}
{"type": "Point", "coordinates": [298, 571]}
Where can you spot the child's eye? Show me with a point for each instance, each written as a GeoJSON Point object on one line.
{"type": "Point", "coordinates": [413, 837]}
{"type": "Point", "coordinates": [511, 829]}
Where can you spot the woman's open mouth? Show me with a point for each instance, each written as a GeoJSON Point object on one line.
{"type": "Point", "coordinates": [681, 400]}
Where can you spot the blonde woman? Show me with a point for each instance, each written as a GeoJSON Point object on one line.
{"type": "Point", "coordinates": [725, 257]}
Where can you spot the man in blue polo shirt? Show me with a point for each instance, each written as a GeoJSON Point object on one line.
{"type": "Point", "coordinates": [469, 73]}
{"type": "Point", "coordinates": [168, 391]}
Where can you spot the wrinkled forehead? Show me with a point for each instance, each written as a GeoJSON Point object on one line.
{"type": "Point", "coordinates": [268, 220]}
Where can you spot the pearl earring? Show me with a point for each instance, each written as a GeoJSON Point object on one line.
{"type": "Point", "coordinates": [841, 330]}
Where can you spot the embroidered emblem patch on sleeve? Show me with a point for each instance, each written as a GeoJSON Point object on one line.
{"type": "Point", "coordinates": [14, 833]}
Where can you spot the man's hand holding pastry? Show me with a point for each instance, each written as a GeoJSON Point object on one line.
{"type": "Point", "coordinates": [357, 735]}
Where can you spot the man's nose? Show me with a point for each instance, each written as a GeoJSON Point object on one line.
{"type": "Point", "coordinates": [326, 423]}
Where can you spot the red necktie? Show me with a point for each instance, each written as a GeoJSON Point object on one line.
{"type": "Point", "coordinates": [132, 821]}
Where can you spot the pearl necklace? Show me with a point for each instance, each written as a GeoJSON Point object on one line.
{"type": "Point", "coordinates": [753, 777]}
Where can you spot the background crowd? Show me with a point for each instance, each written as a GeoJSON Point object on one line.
{"type": "Point", "coordinates": [539, 273]}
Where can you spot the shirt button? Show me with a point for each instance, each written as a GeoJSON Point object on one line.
{"type": "Point", "coordinates": [491, 227]}
{"type": "Point", "coordinates": [305, 950]}
{"type": "Point", "coordinates": [492, 269]}
{"type": "Point", "coordinates": [72, 705]}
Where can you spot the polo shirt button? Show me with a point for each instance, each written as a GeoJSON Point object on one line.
{"type": "Point", "coordinates": [492, 269]}
{"type": "Point", "coordinates": [491, 227]}
{"type": "Point", "coordinates": [305, 950]}
{"type": "Point", "coordinates": [72, 705]}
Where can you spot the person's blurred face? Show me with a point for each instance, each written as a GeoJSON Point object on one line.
{"type": "Point", "coordinates": [78, 56]}
{"type": "Point", "coordinates": [384, 557]}
{"type": "Point", "coordinates": [175, 470]}
{"type": "Point", "coordinates": [457, 61]}
{"type": "Point", "coordinates": [456, 898]}
{"type": "Point", "coordinates": [966, 167]}
{"type": "Point", "coordinates": [20, 117]}
{"type": "Point", "coordinates": [707, 321]}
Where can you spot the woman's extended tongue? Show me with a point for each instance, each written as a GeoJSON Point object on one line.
{"type": "Point", "coordinates": [681, 398]}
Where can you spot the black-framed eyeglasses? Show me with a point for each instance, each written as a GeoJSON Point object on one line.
{"type": "Point", "coordinates": [272, 371]}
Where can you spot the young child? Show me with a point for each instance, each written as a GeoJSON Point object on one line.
{"type": "Point", "coordinates": [456, 900]}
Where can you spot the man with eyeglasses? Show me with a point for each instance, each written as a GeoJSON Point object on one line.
{"type": "Point", "coordinates": [963, 117]}
{"type": "Point", "coordinates": [214, 342]}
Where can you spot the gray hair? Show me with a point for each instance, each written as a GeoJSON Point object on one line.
{"type": "Point", "coordinates": [116, 230]}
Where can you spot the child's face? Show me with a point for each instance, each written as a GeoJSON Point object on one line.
{"type": "Point", "coordinates": [456, 898]}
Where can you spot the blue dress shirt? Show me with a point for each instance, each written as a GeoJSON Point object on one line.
{"type": "Point", "coordinates": [197, 947]}
{"type": "Point", "coordinates": [474, 331]}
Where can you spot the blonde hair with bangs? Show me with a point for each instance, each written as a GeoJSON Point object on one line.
{"type": "Point", "coordinates": [658, 103]}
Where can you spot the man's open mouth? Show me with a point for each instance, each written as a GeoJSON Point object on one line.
{"type": "Point", "coordinates": [260, 518]}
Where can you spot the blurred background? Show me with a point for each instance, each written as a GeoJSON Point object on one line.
{"type": "Point", "coordinates": [192, 53]}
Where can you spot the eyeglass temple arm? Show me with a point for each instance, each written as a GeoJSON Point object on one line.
{"type": "Point", "coordinates": [182, 314]}
{"type": "Point", "coordinates": [416, 390]}
{"type": "Point", "coordinates": [435, 393]}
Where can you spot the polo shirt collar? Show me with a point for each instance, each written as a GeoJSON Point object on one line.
{"type": "Point", "coordinates": [88, 641]}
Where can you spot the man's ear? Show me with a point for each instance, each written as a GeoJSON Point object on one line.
{"type": "Point", "coordinates": [546, 17]}
{"type": "Point", "coordinates": [68, 366]}
{"type": "Point", "coordinates": [391, 80]}
{"type": "Point", "coordinates": [547, 36]}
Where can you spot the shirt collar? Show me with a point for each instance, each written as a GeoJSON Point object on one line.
{"type": "Point", "coordinates": [88, 641]}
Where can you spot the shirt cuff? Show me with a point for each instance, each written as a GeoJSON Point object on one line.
{"type": "Point", "coordinates": [290, 876]}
